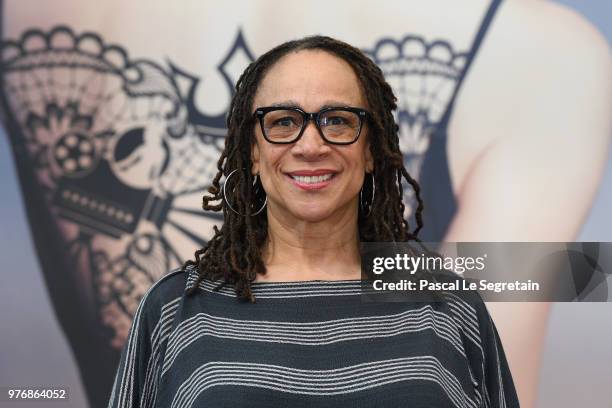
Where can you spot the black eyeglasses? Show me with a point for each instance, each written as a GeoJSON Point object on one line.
{"type": "Point", "coordinates": [336, 125]}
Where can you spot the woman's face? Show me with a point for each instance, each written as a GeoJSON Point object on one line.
{"type": "Point", "coordinates": [311, 80]}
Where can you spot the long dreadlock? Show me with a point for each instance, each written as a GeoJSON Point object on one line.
{"type": "Point", "coordinates": [234, 252]}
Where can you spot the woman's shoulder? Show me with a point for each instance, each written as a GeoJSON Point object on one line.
{"type": "Point", "coordinates": [166, 291]}
{"type": "Point", "coordinates": [171, 283]}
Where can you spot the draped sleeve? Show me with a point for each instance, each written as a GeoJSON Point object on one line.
{"type": "Point", "coordinates": [497, 384]}
{"type": "Point", "coordinates": [136, 379]}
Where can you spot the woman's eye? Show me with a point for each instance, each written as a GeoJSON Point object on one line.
{"type": "Point", "coordinates": [333, 121]}
{"type": "Point", "coordinates": [284, 122]}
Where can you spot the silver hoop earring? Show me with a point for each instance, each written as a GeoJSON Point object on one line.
{"type": "Point", "coordinates": [367, 209]}
{"type": "Point", "coordinates": [227, 201]}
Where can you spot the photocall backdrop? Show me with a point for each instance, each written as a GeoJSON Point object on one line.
{"type": "Point", "coordinates": [114, 121]}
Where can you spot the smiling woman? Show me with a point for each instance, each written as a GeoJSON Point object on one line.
{"type": "Point", "coordinates": [312, 80]}
{"type": "Point", "coordinates": [312, 167]}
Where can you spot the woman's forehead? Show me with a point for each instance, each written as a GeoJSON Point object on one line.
{"type": "Point", "coordinates": [310, 79]}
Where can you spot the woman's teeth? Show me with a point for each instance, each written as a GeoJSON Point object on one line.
{"type": "Point", "coordinates": [312, 179]}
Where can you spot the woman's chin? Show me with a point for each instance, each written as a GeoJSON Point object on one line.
{"type": "Point", "coordinates": [311, 213]}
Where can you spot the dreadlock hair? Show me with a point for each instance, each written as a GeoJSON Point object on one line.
{"type": "Point", "coordinates": [234, 252]}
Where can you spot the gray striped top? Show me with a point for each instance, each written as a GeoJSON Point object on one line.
{"type": "Point", "coordinates": [308, 344]}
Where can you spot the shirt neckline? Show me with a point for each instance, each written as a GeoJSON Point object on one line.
{"type": "Point", "coordinates": [305, 282]}
{"type": "Point", "coordinates": [285, 289]}
{"type": "Point", "coordinates": [310, 287]}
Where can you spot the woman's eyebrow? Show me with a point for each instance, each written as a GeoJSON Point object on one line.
{"type": "Point", "coordinates": [326, 104]}
{"type": "Point", "coordinates": [287, 103]}
{"type": "Point", "coordinates": [331, 103]}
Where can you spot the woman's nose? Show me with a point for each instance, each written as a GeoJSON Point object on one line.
{"type": "Point", "coordinates": [311, 142]}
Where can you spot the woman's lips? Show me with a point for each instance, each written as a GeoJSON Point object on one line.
{"type": "Point", "coordinates": [316, 185]}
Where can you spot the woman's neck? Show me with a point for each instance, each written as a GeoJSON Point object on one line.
{"type": "Point", "coordinates": [300, 250]}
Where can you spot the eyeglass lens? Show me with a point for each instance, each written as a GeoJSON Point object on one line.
{"type": "Point", "coordinates": [337, 125]}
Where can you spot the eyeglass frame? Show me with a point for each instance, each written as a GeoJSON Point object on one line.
{"type": "Point", "coordinates": [311, 116]}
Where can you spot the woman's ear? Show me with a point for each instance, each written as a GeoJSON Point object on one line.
{"type": "Point", "coordinates": [255, 158]}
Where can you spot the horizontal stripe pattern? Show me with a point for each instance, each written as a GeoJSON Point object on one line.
{"type": "Point", "coordinates": [309, 342]}
{"type": "Point", "coordinates": [313, 333]}
{"type": "Point", "coordinates": [320, 382]}
{"type": "Point", "coordinates": [276, 290]}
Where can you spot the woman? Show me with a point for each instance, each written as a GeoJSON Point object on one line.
{"type": "Point", "coordinates": [297, 200]}
{"type": "Point", "coordinates": [483, 113]}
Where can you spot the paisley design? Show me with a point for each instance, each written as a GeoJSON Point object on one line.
{"type": "Point", "coordinates": [122, 155]}
{"type": "Point", "coordinates": [424, 76]}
